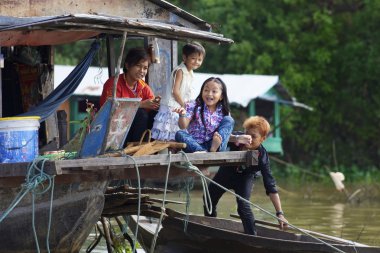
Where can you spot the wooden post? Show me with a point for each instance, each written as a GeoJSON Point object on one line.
{"type": "Point", "coordinates": [107, 235]}
{"type": "Point", "coordinates": [62, 127]}
{"type": "Point", "coordinates": [110, 55]}
{"type": "Point", "coordinates": [277, 132]}
{"type": "Point", "coordinates": [1, 91]}
{"type": "Point", "coordinates": [159, 73]}
{"type": "Point", "coordinates": [51, 122]}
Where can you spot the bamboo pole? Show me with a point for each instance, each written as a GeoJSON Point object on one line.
{"type": "Point", "coordinates": [118, 65]}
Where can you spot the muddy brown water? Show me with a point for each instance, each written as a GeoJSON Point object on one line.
{"type": "Point", "coordinates": [315, 207]}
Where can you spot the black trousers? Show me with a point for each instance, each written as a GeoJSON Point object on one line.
{"type": "Point", "coordinates": [143, 120]}
{"type": "Point", "coordinates": [241, 183]}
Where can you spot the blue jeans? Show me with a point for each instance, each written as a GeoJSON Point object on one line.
{"type": "Point", "coordinates": [225, 129]}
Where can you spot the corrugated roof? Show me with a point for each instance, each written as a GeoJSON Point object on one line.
{"type": "Point", "coordinates": [182, 13]}
{"type": "Point", "coordinates": [244, 88]}
{"type": "Point", "coordinates": [241, 88]}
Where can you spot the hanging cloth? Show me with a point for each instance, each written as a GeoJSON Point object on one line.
{"type": "Point", "coordinates": [65, 89]}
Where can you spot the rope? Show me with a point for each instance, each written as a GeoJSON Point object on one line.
{"type": "Point", "coordinates": [139, 200]}
{"type": "Point", "coordinates": [190, 167]}
{"type": "Point", "coordinates": [189, 184]}
{"type": "Point", "coordinates": [193, 168]}
{"type": "Point", "coordinates": [34, 183]}
{"type": "Point", "coordinates": [153, 245]}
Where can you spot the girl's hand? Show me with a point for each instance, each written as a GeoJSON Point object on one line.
{"type": "Point", "coordinates": [181, 111]}
{"type": "Point", "coordinates": [157, 99]}
{"type": "Point", "coordinates": [183, 122]}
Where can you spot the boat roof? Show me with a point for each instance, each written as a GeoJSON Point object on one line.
{"type": "Point", "coordinates": [183, 14]}
{"type": "Point", "coordinates": [61, 29]}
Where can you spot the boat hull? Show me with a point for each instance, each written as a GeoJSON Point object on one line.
{"type": "Point", "coordinates": [76, 208]}
{"type": "Point", "coordinates": [213, 235]}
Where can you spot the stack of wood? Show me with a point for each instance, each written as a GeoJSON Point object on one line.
{"type": "Point", "coordinates": [123, 200]}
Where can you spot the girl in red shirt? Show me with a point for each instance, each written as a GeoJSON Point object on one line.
{"type": "Point", "coordinates": [130, 84]}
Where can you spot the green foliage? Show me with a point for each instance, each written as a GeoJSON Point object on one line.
{"type": "Point", "coordinates": [326, 54]}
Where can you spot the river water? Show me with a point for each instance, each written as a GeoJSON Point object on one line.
{"type": "Point", "coordinates": [311, 206]}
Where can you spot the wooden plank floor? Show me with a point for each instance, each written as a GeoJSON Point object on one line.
{"type": "Point", "coordinates": [124, 166]}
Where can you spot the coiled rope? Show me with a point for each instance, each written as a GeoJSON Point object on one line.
{"type": "Point", "coordinates": [34, 180]}
{"type": "Point", "coordinates": [190, 167]}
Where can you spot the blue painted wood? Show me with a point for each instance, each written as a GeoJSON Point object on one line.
{"type": "Point", "coordinates": [110, 127]}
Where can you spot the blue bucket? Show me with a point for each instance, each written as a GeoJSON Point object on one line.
{"type": "Point", "coordinates": [18, 139]}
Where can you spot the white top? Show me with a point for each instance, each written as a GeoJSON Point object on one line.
{"type": "Point", "coordinates": [185, 89]}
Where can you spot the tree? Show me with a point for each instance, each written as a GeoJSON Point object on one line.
{"type": "Point", "coordinates": [326, 53]}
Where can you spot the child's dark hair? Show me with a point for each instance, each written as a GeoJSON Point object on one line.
{"type": "Point", "coordinates": [224, 102]}
{"type": "Point", "coordinates": [193, 47]}
{"type": "Point", "coordinates": [134, 56]}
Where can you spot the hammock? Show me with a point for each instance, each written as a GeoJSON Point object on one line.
{"type": "Point", "coordinates": [65, 89]}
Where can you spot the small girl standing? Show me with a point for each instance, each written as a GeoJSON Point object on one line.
{"type": "Point", "coordinates": [178, 93]}
{"type": "Point", "coordinates": [206, 123]}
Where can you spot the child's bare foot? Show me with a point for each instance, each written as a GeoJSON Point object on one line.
{"type": "Point", "coordinates": [216, 141]}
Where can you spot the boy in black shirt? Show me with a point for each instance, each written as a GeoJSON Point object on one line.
{"type": "Point", "coordinates": [240, 178]}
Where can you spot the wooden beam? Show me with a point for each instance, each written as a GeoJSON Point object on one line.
{"type": "Point", "coordinates": [208, 159]}
{"type": "Point", "coordinates": [110, 55]}
{"type": "Point", "coordinates": [150, 166]}
{"type": "Point", "coordinates": [20, 169]}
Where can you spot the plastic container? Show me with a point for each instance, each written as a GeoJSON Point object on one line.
{"type": "Point", "coordinates": [18, 139]}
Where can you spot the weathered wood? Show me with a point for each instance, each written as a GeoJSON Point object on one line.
{"type": "Point", "coordinates": [217, 235]}
{"type": "Point", "coordinates": [115, 200]}
{"type": "Point", "coordinates": [107, 234]}
{"type": "Point", "coordinates": [129, 8]}
{"type": "Point", "coordinates": [125, 209]}
{"type": "Point", "coordinates": [129, 189]}
{"type": "Point", "coordinates": [167, 201]}
{"type": "Point", "coordinates": [314, 233]}
{"type": "Point", "coordinates": [76, 207]}
{"type": "Point", "coordinates": [148, 213]}
{"type": "Point", "coordinates": [150, 166]}
{"type": "Point", "coordinates": [159, 74]}
{"type": "Point", "coordinates": [20, 169]}
{"type": "Point", "coordinates": [219, 158]}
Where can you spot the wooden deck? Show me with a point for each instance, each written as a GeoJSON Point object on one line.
{"type": "Point", "coordinates": [150, 166]}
